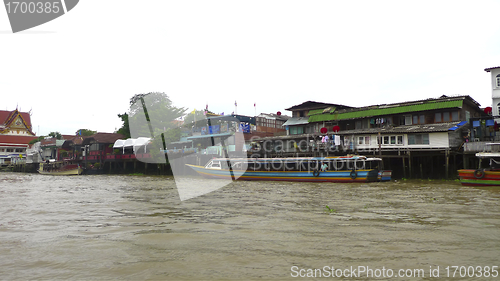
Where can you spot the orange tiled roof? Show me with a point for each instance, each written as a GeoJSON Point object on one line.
{"type": "Point", "coordinates": [10, 140]}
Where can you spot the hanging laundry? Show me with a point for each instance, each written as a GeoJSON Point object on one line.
{"type": "Point", "coordinates": [336, 139]}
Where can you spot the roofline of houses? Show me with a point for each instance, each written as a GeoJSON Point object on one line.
{"type": "Point", "coordinates": [491, 68]}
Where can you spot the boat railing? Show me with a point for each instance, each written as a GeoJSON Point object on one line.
{"type": "Point", "coordinates": [297, 164]}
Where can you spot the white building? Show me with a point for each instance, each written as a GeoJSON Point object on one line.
{"type": "Point", "coordinates": [495, 87]}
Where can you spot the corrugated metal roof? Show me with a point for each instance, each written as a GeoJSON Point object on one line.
{"type": "Point", "coordinates": [315, 105]}
{"type": "Point", "coordinates": [330, 109]}
{"type": "Point", "coordinates": [405, 129]}
{"type": "Point", "coordinates": [296, 121]}
{"type": "Point", "coordinates": [386, 111]}
{"type": "Point", "coordinates": [316, 111]}
{"type": "Point", "coordinates": [491, 68]}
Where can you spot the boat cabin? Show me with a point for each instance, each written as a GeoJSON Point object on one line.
{"type": "Point", "coordinates": [296, 164]}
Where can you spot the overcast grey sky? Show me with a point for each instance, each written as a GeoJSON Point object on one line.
{"type": "Point", "coordinates": [80, 70]}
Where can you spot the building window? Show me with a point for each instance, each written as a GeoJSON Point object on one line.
{"type": "Point", "coordinates": [498, 80]}
{"type": "Point", "coordinates": [94, 147]}
{"type": "Point", "coordinates": [415, 119]}
{"type": "Point", "coordinates": [392, 140]}
{"type": "Point", "coordinates": [364, 140]}
{"type": "Point", "coordinates": [437, 117]}
{"type": "Point", "coordinates": [418, 139]}
{"type": "Point", "coordinates": [357, 125]}
{"type": "Point", "coordinates": [408, 120]}
{"type": "Point", "coordinates": [446, 117]}
{"type": "Point", "coordinates": [454, 116]}
{"type": "Point", "coordinates": [296, 130]}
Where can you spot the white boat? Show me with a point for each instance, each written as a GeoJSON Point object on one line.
{"type": "Point", "coordinates": [314, 169]}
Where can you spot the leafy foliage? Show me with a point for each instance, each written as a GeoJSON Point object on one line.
{"type": "Point", "coordinates": [85, 132]}
{"type": "Point", "coordinates": [151, 114]}
{"type": "Point", "coordinates": [36, 140]}
{"type": "Point", "coordinates": [125, 129]}
{"type": "Point", "coordinates": [56, 135]}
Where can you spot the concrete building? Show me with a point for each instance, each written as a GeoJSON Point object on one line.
{"type": "Point", "coordinates": [495, 88]}
{"type": "Point", "coordinates": [410, 136]}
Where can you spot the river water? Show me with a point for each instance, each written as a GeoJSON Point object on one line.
{"type": "Point", "coordinates": [108, 227]}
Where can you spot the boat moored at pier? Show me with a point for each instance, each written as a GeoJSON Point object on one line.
{"type": "Point", "coordinates": [483, 176]}
{"type": "Point", "coordinates": [60, 169]}
{"type": "Point", "coordinates": [311, 169]}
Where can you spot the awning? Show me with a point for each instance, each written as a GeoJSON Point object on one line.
{"type": "Point", "coordinates": [457, 126]}
{"type": "Point", "coordinates": [135, 143]}
{"type": "Point", "coordinates": [296, 121]}
{"type": "Point", "coordinates": [118, 144]}
{"type": "Point", "coordinates": [129, 143]}
{"type": "Point", "coordinates": [141, 141]}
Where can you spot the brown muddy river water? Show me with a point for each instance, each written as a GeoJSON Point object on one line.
{"type": "Point", "coordinates": [136, 228]}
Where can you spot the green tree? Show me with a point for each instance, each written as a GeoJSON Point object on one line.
{"type": "Point", "coordinates": [56, 135]}
{"type": "Point", "coordinates": [125, 129]}
{"type": "Point", "coordinates": [151, 113]}
{"type": "Point", "coordinates": [85, 132]}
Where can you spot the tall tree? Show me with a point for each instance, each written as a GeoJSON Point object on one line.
{"type": "Point", "coordinates": [151, 114]}
{"type": "Point", "coordinates": [125, 129]}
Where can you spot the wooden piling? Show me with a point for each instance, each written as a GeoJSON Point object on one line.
{"type": "Point", "coordinates": [409, 165]}
{"type": "Point", "coordinates": [404, 167]}
{"type": "Point", "coordinates": [447, 163]}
